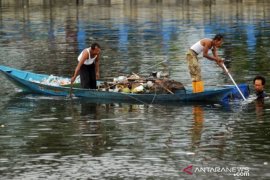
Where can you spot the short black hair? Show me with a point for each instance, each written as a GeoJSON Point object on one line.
{"type": "Point", "coordinates": [259, 78]}
{"type": "Point", "coordinates": [218, 37]}
{"type": "Point", "coordinates": [94, 45]}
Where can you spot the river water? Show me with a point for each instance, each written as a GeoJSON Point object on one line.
{"type": "Point", "coordinates": [44, 137]}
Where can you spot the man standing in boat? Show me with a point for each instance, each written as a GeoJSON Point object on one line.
{"type": "Point", "coordinates": [88, 67]}
{"type": "Point", "coordinates": [204, 45]}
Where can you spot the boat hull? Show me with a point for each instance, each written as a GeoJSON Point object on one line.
{"type": "Point", "coordinates": [28, 82]}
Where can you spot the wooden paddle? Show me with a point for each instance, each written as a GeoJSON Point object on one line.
{"type": "Point", "coordinates": [70, 90]}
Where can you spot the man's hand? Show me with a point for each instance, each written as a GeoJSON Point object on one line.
{"type": "Point", "coordinates": [219, 61]}
{"type": "Point", "coordinates": [72, 79]}
{"type": "Point", "coordinates": [97, 76]}
{"type": "Point", "coordinates": [221, 64]}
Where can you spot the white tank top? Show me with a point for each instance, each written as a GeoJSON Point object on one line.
{"type": "Point", "coordinates": [197, 47]}
{"type": "Point", "coordinates": [89, 60]}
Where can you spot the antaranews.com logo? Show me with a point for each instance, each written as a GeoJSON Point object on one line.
{"type": "Point", "coordinates": [234, 171]}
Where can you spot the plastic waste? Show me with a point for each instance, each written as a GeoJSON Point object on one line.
{"type": "Point", "coordinates": [120, 79]}
{"type": "Point", "coordinates": [55, 81]}
{"type": "Point", "coordinates": [137, 89]}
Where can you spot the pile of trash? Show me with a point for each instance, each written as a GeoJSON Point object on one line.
{"type": "Point", "coordinates": [137, 84]}
{"type": "Point", "coordinates": [55, 81]}
{"type": "Point", "coordinates": [157, 83]}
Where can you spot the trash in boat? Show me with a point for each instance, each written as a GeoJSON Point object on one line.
{"type": "Point", "coordinates": [120, 79]}
{"type": "Point", "coordinates": [55, 81]}
{"type": "Point", "coordinates": [137, 84]}
{"type": "Point", "coordinates": [126, 84]}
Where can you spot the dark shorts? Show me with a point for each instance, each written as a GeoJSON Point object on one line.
{"type": "Point", "coordinates": [88, 76]}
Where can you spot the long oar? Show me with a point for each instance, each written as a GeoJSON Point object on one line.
{"type": "Point", "coordinates": [234, 81]}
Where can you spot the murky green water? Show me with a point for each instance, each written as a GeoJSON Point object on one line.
{"type": "Point", "coordinates": [45, 137]}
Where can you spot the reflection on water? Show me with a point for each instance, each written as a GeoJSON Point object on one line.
{"type": "Point", "coordinates": [45, 137]}
{"type": "Point", "coordinates": [86, 139]}
{"type": "Point", "coordinates": [197, 127]}
{"type": "Point", "coordinates": [259, 108]}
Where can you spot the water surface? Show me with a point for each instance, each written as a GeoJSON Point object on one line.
{"type": "Point", "coordinates": [45, 137]}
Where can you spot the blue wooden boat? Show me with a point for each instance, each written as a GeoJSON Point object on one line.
{"type": "Point", "coordinates": [29, 82]}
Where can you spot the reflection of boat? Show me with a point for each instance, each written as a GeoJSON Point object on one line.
{"type": "Point", "coordinates": [30, 82]}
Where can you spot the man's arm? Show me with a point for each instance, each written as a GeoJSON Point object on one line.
{"type": "Point", "coordinates": [97, 65]}
{"type": "Point", "coordinates": [78, 67]}
{"type": "Point", "coordinates": [215, 57]}
{"type": "Point", "coordinates": [207, 47]}
{"type": "Point", "coordinates": [214, 51]}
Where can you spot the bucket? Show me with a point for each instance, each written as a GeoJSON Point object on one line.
{"type": "Point", "coordinates": [198, 86]}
